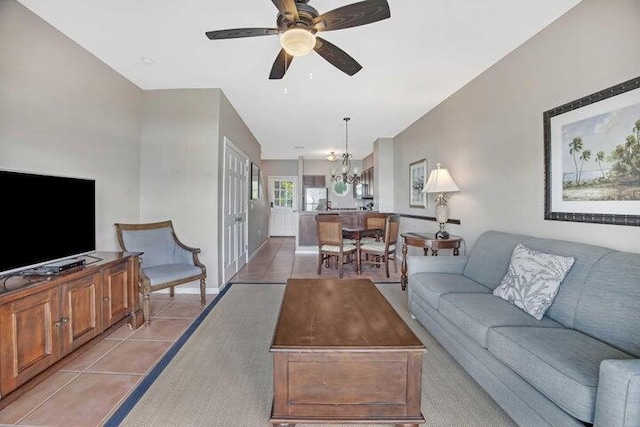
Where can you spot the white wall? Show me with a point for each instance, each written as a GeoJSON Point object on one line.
{"type": "Point", "coordinates": [64, 112]}
{"type": "Point", "coordinates": [490, 133]}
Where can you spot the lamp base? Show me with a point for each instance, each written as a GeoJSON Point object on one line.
{"type": "Point", "coordinates": [441, 234]}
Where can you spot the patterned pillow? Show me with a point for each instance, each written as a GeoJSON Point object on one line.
{"type": "Point", "coordinates": [533, 279]}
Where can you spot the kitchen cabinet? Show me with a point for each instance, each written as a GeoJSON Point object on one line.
{"type": "Point", "coordinates": [308, 230]}
{"type": "Point", "coordinates": [313, 181]}
{"type": "Point", "coordinates": [364, 189]}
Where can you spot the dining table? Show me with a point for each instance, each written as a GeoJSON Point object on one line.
{"type": "Point", "coordinates": [356, 234]}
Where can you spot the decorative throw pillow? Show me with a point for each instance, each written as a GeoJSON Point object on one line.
{"type": "Point", "coordinates": [533, 279]}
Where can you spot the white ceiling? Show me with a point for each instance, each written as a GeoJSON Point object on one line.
{"type": "Point", "coordinates": [412, 61]}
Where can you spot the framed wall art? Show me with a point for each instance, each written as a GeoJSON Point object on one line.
{"type": "Point", "coordinates": [255, 181]}
{"type": "Point", "coordinates": [417, 177]}
{"type": "Point", "coordinates": [592, 158]}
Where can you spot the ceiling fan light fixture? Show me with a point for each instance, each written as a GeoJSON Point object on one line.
{"type": "Point", "coordinates": [297, 41]}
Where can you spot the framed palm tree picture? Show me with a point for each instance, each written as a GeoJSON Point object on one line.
{"type": "Point", "coordinates": [417, 176]}
{"type": "Point", "coordinates": [592, 157]}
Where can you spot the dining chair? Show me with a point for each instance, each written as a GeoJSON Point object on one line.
{"type": "Point", "coordinates": [331, 244]}
{"type": "Point", "coordinates": [374, 220]}
{"type": "Point", "coordinates": [379, 253]}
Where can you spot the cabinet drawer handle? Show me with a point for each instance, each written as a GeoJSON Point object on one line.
{"type": "Point", "coordinates": [106, 299]}
{"type": "Point", "coordinates": [57, 324]}
{"type": "Point", "coordinates": [64, 320]}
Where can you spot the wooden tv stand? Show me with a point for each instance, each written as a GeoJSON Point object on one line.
{"type": "Point", "coordinates": [47, 321]}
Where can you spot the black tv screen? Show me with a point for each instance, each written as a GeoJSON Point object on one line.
{"type": "Point", "coordinates": [45, 218]}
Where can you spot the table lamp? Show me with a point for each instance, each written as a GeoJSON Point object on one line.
{"type": "Point", "coordinates": [440, 182]}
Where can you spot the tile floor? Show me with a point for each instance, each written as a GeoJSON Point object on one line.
{"type": "Point", "coordinates": [90, 388]}
{"type": "Point", "coordinates": [276, 261]}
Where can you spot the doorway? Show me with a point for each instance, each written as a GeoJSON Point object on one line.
{"type": "Point", "coordinates": [234, 207]}
{"type": "Point", "coordinates": [284, 204]}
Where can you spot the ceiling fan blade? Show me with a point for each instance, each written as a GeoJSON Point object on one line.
{"type": "Point", "coordinates": [236, 33]}
{"type": "Point", "coordinates": [353, 15]}
{"type": "Point", "coordinates": [336, 56]}
{"type": "Point", "coordinates": [280, 65]}
{"type": "Point", "coordinates": [287, 7]}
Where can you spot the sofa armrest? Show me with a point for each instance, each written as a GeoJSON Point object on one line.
{"type": "Point", "coordinates": [618, 396]}
{"type": "Point", "coordinates": [436, 264]}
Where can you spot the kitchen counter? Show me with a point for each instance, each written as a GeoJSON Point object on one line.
{"type": "Point", "coordinates": [308, 231]}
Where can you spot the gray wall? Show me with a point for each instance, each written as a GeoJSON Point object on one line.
{"type": "Point", "coordinates": [64, 112]}
{"type": "Point", "coordinates": [233, 127]}
{"type": "Point", "coordinates": [367, 162]}
{"type": "Point", "coordinates": [179, 172]}
{"type": "Point", "coordinates": [490, 133]}
{"type": "Point", "coordinates": [183, 136]}
{"type": "Point", "coordinates": [279, 168]}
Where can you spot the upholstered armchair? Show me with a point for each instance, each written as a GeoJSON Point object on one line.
{"type": "Point", "coordinates": [165, 261]}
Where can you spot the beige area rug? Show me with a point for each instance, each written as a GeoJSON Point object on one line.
{"type": "Point", "coordinates": [222, 376]}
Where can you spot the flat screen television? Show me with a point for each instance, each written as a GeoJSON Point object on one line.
{"type": "Point", "coordinates": [46, 218]}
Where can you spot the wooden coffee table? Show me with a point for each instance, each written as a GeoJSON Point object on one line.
{"type": "Point", "coordinates": [341, 354]}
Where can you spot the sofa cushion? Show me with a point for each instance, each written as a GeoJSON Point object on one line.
{"type": "Point", "coordinates": [561, 363]}
{"type": "Point", "coordinates": [475, 314]}
{"type": "Point", "coordinates": [431, 286]}
{"type": "Point", "coordinates": [491, 254]}
{"type": "Point", "coordinates": [533, 279]}
{"type": "Point", "coordinates": [170, 272]}
{"type": "Point", "coordinates": [609, 305]}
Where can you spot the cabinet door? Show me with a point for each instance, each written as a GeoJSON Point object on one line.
{"type": "Point", "coordinates": [313, 181]}
{"type": "Point", "coordinates": [30, 336]}
{"type": "Point", "coordinates": [350, 220]}
{"type": "Point", "coordinates": [115, 295]}
{"type": "Point", "coordinates": [80, 311]}
{"type": "Point", "coordinates": [367, 178]}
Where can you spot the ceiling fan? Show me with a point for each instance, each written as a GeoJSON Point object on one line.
{"type": "Point", "coordinates": [298, 23]}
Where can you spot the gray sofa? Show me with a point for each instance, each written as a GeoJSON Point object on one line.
{"type": "Point", "coordinates": [578, 365]}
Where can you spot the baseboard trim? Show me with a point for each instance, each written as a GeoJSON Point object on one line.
{"type": "Point", "coordinates": [188, 291]}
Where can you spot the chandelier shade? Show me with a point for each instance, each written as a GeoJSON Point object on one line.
{"type": "Point", "coordinates": [346, 174]}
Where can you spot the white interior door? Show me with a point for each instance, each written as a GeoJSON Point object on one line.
{"type": "Point", "coordinates": [236, 187]}
{"type": "Point", "coordinates": [283, 199]}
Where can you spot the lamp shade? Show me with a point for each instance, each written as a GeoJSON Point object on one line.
{"type": "Point", "coordinates": [297, 42]}
{"type": "Point", "coordinates": [440, 181]}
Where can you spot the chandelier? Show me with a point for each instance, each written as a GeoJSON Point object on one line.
{"type": "Point", "coordinates": [332, 157]}
{"type": "Point", "coordinates": [346, 174]}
